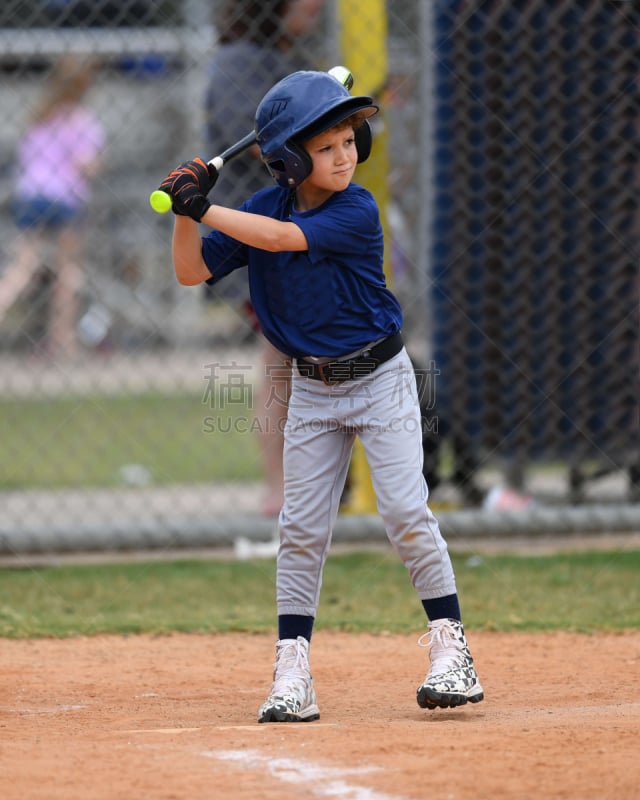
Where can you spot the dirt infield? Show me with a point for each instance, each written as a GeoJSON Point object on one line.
{"type": "Point", "coordinates": [174, 717]}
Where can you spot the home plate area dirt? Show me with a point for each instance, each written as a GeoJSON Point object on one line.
{"type": "Point", "coordinates": [175, 717]}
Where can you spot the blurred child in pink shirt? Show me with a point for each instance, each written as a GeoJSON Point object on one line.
{"type": "Point", "coordinates": [57, 158]}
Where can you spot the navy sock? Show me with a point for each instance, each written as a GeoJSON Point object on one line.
{"type": "Point", "coordinates": [290, 626]}
{"type": "Point", "coordinates": [443, 607]}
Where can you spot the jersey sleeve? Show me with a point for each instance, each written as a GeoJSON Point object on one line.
{"type": "Point", "coordinates": [222, 255]}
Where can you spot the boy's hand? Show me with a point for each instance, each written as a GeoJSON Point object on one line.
{"type": "Point", "coordinates": [190, 202]}
{"type": "Point", "coordinates": [195, 171]}
{"type": "Point", "coordinates": [188, 186]}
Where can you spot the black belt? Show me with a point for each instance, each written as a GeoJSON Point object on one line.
{"type": "Point", "coordinates": [354, 367]}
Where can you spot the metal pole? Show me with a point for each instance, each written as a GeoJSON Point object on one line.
{"type": "Point", "coordinates": [425, 162]}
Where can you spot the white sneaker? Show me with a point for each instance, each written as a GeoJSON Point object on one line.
{"type": "Point", "coordinates": [452, 679]}
{"type": "Point", "coordinates": [292, 697]}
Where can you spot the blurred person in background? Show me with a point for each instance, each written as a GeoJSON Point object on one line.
{"type": "Point", "coordinates": [260, 42]}
{"type": "Point", "coordinates": [57, 158]}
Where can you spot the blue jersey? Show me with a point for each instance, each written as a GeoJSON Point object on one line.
{"type": "Point", "coordinates": [329, 300]}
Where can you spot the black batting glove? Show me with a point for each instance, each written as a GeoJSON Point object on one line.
{"type": "Point", "coordinates": [188, 186]}
{"type": "Point", "coordinates": [189, 201]}
{"type": "Point", "coordinates": [195, 171]}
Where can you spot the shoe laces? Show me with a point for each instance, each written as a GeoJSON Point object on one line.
{"type": "Point", "coordinates": [446, 651]}
{"type": "Point", "coordinates": [291, 666]}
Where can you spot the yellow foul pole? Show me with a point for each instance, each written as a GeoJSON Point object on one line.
{"type": "Point", "coordinates": [362, 36]}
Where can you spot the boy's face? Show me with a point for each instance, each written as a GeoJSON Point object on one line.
{"type": "Point", "coordinates": [334, 156]}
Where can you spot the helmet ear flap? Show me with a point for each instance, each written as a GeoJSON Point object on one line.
{"type": "Point", "coordinates": [364, 141]}
{"type": "Point", "coordinates": [293, 168]}
{"type": "Point", "coordinates": [305, 164]}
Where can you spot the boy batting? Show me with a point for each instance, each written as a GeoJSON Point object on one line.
{"type": "Point", "coordinates": [313, 248]}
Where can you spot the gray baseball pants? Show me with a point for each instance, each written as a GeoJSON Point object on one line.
{"type": "Point", "coordinates": [323, 421]}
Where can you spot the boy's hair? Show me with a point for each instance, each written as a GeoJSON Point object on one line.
{"type": "Point", "coordinates": [355, 121]}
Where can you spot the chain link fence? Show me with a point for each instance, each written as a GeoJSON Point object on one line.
{"type": "Point", "coordinates": [535, 248]}
{"type": "Point", "coordinates": [505, 169]}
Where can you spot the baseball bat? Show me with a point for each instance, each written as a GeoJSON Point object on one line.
{"type": "Point", "coordinates": [161, 202]}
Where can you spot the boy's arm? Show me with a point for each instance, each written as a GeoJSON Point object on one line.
{"type": "Point", "coordinates": [256, 230]}
{"type": "Point", "coordinates": [188, 263]}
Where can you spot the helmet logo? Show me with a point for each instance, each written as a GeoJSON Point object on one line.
{"type": "Point", "coordinates": [277, 106]}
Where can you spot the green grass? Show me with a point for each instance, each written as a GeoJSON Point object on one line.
{"type": "Point", "coordinates": [587, 592]}
{"type": "Point", "coordinates": [83, 442]}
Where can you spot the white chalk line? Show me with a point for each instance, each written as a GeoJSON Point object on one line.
{"type": "Point", "coordinates": [547, 714]}
{"type": "Point", "coordinates": [256, 727]}
{"type": "Point", "coordinates": [320, 780]}
{"type": "Point", "coordinates": [162, 730]}
{"type": "Point", "coordinates": [293, 728]}
{"type": "Point", "coordinates": [27, 711]}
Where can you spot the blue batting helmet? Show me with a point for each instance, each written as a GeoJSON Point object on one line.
{"type": "Point", "coordinates": [297, 108]}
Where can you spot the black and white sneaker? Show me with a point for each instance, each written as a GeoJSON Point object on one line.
{"type": "Point", "coordinates": [452, 679]}
{"type": "Point", "coordinates": [292, 697]}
